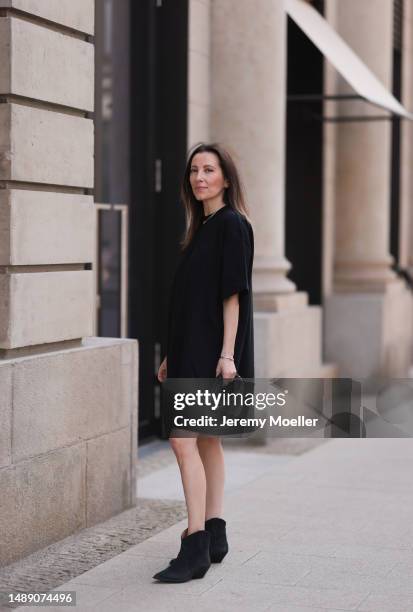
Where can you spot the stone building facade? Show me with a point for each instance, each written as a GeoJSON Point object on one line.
{"type": "Point", "coordinates": [68, 400]}
{"type": "Point", "coordinates": [330, 202]}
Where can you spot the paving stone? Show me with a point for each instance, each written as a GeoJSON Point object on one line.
{"type": "Point", "coordinates": [298, 543]}
{"type": "Point", "coordinates": [71, 557]}
{"type": "Point", "coordinates": [325, 577]}
{"type": "Point", "coordinates": [230, 592]}
{"type": "Point", "coordinates": [387, 602]}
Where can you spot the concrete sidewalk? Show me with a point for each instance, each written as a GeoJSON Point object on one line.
{"type": "Point", "coordinates": [327, 530]}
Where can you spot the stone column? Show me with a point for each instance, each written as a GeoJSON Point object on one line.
{"type": "Point", "coordinates": [368, 301]}
{"type": "Point", "coordinates": [249, 100]}
{"type": "Point", "coordinates": [406, 177]}
{"type": "Point", "coordinates": [362, 188]}
{"type": "Point", "coordinates": [199, 86]}
{"type": "Point", "coordinates": [248, 107]}
{"type": "Point", "coordinates": [68, 402]}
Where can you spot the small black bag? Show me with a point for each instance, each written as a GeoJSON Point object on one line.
{"type": "Point", "coordinates": [237, 409]}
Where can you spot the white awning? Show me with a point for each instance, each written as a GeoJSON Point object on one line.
{"type": "Point", "coordinates": [342, 57]}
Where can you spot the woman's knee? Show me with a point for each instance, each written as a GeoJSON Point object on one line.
{"type": "Point", "coordinates": [209, 441]}
{"type": "Point", "coordinates": [183, 447]}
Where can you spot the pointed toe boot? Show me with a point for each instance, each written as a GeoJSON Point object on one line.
{"type": "Point", "coordinates": [218, 547]}
{"type": "Point", "coordinates": [193, 560]}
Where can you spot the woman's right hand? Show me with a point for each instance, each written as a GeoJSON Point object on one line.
{"type": "Point", "coordinates": [162, 372]}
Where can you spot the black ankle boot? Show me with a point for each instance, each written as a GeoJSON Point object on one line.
{"type": "Point", "coordinates": [218, 547]}
{"type": "Point", "coordinates": [193, 560]}
{"type": "Point", "coordinates": [219, 544]}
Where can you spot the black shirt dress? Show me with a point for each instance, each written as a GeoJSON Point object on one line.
{"type": "Point", "coordinates": [217, 263]}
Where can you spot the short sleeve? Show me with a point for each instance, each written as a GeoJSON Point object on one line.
{"type": "Point", "coordinates": [236, 255]}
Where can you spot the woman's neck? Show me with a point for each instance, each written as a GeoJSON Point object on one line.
{"type": "Point", "coordinates": [212, 207]}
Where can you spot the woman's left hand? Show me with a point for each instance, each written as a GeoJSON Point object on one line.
{"type": "Point", "coordinates": [226, 367]}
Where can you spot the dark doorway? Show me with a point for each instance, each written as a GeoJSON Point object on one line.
{"type": "Point", "coordinates": [112, 147]}
{"type": "Point", "coordinates": [304, 163]}
{"type": "Point", "coordinates": [158, 148]}
{"type": "Point", "coordinates": [395, 152]}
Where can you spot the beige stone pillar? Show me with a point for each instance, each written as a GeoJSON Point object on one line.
{"type": "Point", "coordinates": [68, 402]}
{"type": "Point", "coordinates": [368, 301]}
{"type": "Point", "coordinates": [406, 175]}
{"type": "Point", "coordinates": [362, 186]}
{"type": "Point", "coordinates": [249, 97]}
{"type": "Point", "coordinates": [248, 106]}
{"type": "Point", "coordinates": [199, 86]}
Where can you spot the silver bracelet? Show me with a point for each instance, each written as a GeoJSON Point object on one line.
{"type": "Point", "coordinates": [226, 357]}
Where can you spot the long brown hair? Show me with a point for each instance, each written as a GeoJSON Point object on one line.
{"type": "Point", "coordinates": [234, 195]}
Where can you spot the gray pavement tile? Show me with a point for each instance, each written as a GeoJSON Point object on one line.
{"type": "Point", "coordinates": [373, 566]}
{"type": "Point", "coordinates": [387, 602]}
{"type": "Point", "coordinates": [126, 571]}
{"type": "Point", "coordinates": [328, 500]}
{"type": "Point", "coordinates": [163, 602]}
{"type": "Point", "coordinates": [263, 535]}
{"type": "Point", "coordinates": [157, 596]}
{"type": "Point", "coordinates": [289, 569]}
{"type": "Point", "coordinates": [62, 561]}
{"type": "Point", "coordinates": [388, 479]}
{"type": "Point", "coordinates": [284, 477]}
{"type": "Point", "coordinates": [274, 511]}
{"type": "Point", "coordinates": [253, 594]}
{"type": "Point", "coordinates": [288, 608]}
{"type": "Point", "coordinates": [274, 445]}
{"type": "Point", "coordinates": [394, 536]}
{"type": "Point", "coordinates": [368, 465]}
{"type": "Point", "coordinates": [320, 535]}
{"type": "Point", "coordinates": [271, 568]}
{"type": "Point", "coordinates": [353, 450]}
{"type": "Point", "coordinates": [241, 468]}
{"type": "Point", "coordinates": [372, 553]}
{"type": "Point", "coordinates": [320, 549]}
{"type": "Point", "coordinates": [346, 522]}
{"type": "Point", "coordinates": [137, 600]}
{"type": "Point", "coordinates": [155, 549]}
{"type": "Point", "coordinates": [320, 532]}
{"type": "Point", "coordinates": [403, 568]}
{"type": "Point", "coordinates": [326, 577]}
{"type": "Point", "coordinates": [385, 512]}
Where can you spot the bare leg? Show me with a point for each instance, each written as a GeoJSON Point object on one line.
{"type": "Point", "coordinates": [193, 480]}
{"type": "Point", "coordinates": [212, 456]}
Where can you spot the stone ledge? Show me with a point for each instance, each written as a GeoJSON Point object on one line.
{"type": "Point", "coordinates": [287, 342]}
{"type": "Point", "coordinates": [56, 405]}
{"type": "Point", "coordinates": [75, 14]}
{"type": "Point", "coordinates": [45, 501]}
{"type": "Point", "coordinates": [5, 414]}
{"type": "Point", "coordinates": [35, 310]}
{"type": "Point", "coordinates": [32, 233]}
{"type": "Point", "coordinates": [71, 458]}
{"type": "Point", "coordinates": [34, 60]}
{"type": "Point", "coordinates": [41, 146]}
{"type": "Point", "coordinates": [110, 485]}
{"type": "Point", "coordinates": [370, 334]}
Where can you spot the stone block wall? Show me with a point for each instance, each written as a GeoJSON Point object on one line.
{"type": "Point", "coordinates": [68, 401]}
{"type": "Point", "coordinates": [68, 442]}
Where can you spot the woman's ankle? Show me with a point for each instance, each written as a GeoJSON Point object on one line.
{"type": "Point", "coordinates": [195, 529]}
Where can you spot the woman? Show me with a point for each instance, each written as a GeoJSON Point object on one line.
{"type": "Point", "coordinates": [210, 333]}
